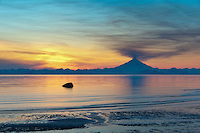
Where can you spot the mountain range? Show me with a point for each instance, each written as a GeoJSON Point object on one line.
{"type": "Point", "coordinates": [134, 66]}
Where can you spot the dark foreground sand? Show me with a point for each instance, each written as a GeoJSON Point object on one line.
{"type": "Point", "coordinates": [124, 121]}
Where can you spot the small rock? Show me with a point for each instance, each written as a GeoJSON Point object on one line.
{"type": "Point", "coordinates": [68, 85]}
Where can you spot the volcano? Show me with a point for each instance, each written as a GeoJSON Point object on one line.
{"type": "Point", "coordinates": [133, 66]}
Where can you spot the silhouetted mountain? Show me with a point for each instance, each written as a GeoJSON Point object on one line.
{"type": "Point", "coordinates": [133, 66]}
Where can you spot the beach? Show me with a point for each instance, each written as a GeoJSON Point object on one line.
{"type": "Point", "coordinates": [100, 103]}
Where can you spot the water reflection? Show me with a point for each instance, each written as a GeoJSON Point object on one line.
{"type": "Point", "coordinates": [47, 91]}
{"type": "Point", "coordinates": [136, 81]}
{"type": "Point", "coordinates": [85, 83]}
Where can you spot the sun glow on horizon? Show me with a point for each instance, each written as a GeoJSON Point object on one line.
{"type": "Point", "coordinates": [55, 57]}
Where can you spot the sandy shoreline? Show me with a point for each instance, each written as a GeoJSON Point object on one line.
{"type": "Point", "coordinates": [123, 121]}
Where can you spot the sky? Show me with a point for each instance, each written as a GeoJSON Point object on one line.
{"type": "Point", "coordinates": [88, 34]}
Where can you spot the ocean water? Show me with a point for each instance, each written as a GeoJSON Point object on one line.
{"type": "Point", "coordinates": [100, 103]}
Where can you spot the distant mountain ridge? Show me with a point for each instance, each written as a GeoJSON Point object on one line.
{"type": "Point", "coordinates": [133, 66]}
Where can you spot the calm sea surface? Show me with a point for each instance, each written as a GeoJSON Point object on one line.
{"type": "Point", "coordinates": [28, 98]}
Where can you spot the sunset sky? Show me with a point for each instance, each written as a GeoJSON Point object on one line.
{"type": "Point", "coordinates": [80, 34]}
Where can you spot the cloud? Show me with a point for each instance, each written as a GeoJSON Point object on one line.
{"type": "Point", "coordinates": [36, 52]}
{"type": "Point", "coordinates": [144, 54]}
{"type": "Point", "coordinates": [30, 53]}
{"type": "Point", "coordinates": [157, 44]}
{"type": "Point", "coordinates": [151, 29]}
{"type": "Point", "coordinates": [10, 64]}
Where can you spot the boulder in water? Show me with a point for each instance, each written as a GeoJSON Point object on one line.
{"type": "Point", "coordinates": [68, 85]}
